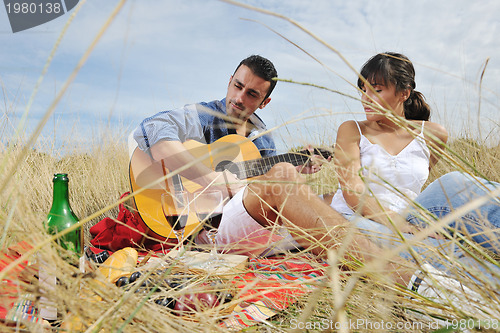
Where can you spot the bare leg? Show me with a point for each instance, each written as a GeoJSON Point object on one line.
{"type": "Point", "coordinates": [281, 196]}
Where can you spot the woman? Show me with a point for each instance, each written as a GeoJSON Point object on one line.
{"type": "Point", "coordinates": [384, 161]}
{"type": "Point", "coordinates": [382, 164]}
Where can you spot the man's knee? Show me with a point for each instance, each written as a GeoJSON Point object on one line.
{"type": "Point", "coordinates": [278, 182]}
{"type": "Point", "coordinates": [284, 172]}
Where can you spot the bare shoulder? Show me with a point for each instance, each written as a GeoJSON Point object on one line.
{"type": "Point", "coordinates": [347, 144]}
{"type": "Point", "coordinates": [436, 130]}
{"type": "Point", "coordinates": [348, 130]}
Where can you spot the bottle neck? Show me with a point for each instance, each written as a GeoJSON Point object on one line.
{"type": "Point", "coordinates": [60, 195]}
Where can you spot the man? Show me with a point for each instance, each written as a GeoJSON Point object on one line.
{"type": "Point", "coordinates": [162, 137]}
{"type": "Point", "coordinates": [278, 212]}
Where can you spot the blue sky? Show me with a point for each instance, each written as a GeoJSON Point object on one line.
{"type": "Point", "coordinates": [163, 54]}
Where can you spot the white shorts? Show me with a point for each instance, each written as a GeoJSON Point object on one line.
{"type": "Point", "coordinates": [239, 233]}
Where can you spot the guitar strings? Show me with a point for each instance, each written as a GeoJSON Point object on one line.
{"type": "Point", "coordinates": [257, 167]}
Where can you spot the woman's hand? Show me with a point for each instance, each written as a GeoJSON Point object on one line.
{"type": "Point", "coordinates": [398, 224]}
{"type": "Point", "coordinates": [409, 228]}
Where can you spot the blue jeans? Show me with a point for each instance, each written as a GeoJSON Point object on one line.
{"type": "Point", "coordinates": [449, 192]}
{"type": "Point", "coordinates": [454, 190]}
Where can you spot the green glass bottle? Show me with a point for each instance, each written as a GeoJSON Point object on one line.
{"type": "Point", "coordinates": [62, 217]}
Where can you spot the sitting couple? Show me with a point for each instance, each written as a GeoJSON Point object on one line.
{"type": "Point", "coordinates": [382, 164]}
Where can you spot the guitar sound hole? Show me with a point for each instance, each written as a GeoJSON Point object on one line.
{"type": "Point", "coordinates": [229, 166]}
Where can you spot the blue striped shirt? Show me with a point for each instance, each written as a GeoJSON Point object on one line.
{"type": "Point", "coordinates": [200, 122]}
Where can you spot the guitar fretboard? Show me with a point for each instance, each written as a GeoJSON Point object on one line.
{"type": "Point", "coordinates": [254, 168]}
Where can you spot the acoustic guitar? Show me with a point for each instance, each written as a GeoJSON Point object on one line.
{"type": "Point", "coordinates": [233, 153]}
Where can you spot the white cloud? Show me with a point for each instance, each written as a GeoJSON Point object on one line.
{"type": "Point", "coordinates": [162, 54]}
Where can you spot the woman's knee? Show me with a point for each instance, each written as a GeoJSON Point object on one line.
{"type": "Point", "coordinates": [439, 193]}
{"type": "Point", "coordinates": [454, 177]}
{"type": "Point", "coordinates": [451, 183]}
{"type": "Point", "coordinates": [463, 183]}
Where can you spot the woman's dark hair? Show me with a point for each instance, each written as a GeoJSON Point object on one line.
{"type": "Point", "coordinates": [396, 69]}
{"type": "Point", "coordinates": [263, 68]}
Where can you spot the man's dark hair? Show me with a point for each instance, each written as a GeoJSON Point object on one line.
{"type": "Point", "coordinates": [263, 68]}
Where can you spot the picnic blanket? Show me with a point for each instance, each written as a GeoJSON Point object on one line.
{"type": "Point", "coordinates": [271, 286]}
{"type": "Point", "coordinates": [268, 287]}
{"type": "Point", "coordinates": [14, 304]}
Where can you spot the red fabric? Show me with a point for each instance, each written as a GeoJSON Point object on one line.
{"type": "Point", "coordinates": [124, 231]}
{"type": "Point", "coordinates": [277, 282]}
{"type": "Point", "coordinates": [270, 286]}
{"type": "Point", "coordinates": [10, 291]}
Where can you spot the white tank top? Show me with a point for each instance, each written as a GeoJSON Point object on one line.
{"type": "Point", "coordinates": [386, 175]}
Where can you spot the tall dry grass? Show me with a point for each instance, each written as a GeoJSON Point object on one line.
{"type": "Point", "coordinates": [97, 178]}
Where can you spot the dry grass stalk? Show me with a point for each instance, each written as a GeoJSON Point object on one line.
{"type": "Point", "coordinates": [101, 175]}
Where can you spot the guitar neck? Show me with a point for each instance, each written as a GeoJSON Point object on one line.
{"type": "Point", "coordinates": [258, 167]}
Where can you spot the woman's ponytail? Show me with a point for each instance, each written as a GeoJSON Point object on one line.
{"type": "Point", "coordinates": [416, 108]}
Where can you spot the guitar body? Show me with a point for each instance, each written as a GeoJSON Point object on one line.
{"type": "Point", "coordinates": [144, 172]}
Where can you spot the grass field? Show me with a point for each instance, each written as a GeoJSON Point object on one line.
{"type": "Point", "coordinates": [99, 177]}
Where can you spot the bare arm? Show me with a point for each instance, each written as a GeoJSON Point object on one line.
{"type": "Point", "coordinates": [176, 156]}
